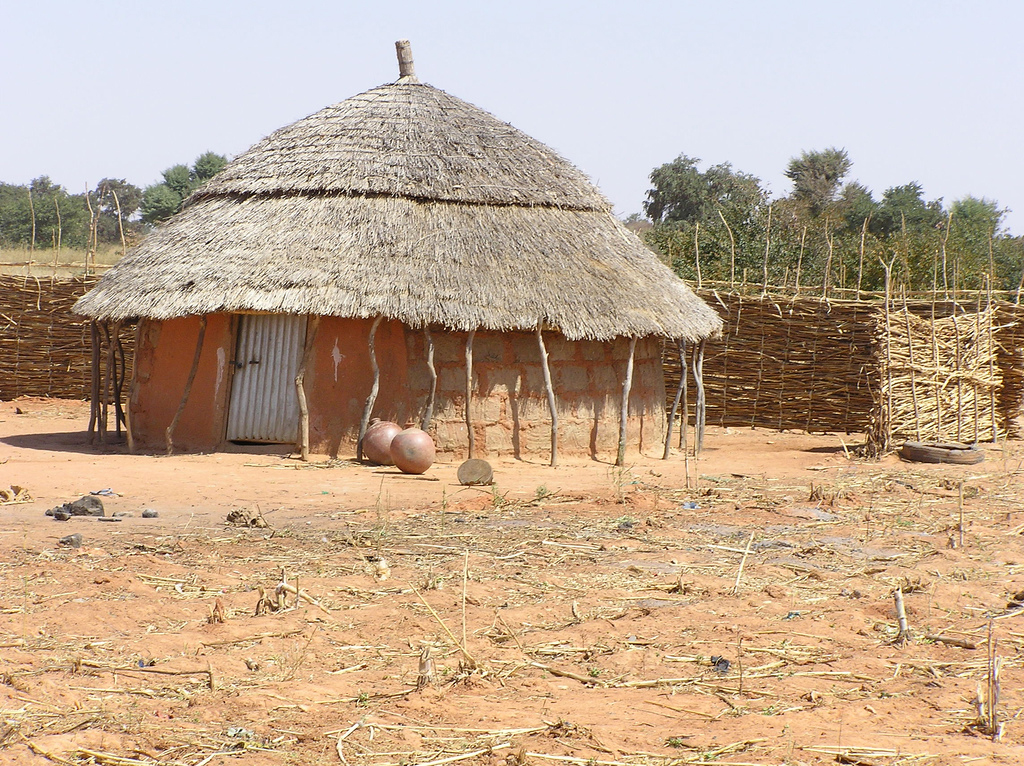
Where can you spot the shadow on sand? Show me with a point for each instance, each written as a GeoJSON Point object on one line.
{"type": "Point", "coordinates": [64, 441]}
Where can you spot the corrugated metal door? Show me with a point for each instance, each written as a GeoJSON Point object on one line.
{"type": "Point", "coordinates": [264, 406]}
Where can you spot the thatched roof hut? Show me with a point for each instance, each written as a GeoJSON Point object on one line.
{"type": "Point", "coordinates": [407, 204]}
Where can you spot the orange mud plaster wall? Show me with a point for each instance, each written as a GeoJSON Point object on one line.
{"type": "Point", "coordinates": [340, 377]}
{"type": "Point", "coordinates": [163, 358]}
{"type": "Point", "coordinates": [510, 411]}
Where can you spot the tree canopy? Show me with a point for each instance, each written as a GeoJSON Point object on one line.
{"type": "Point", "coordinates": [43, 214]}
{"type": "Point", "coordinates": [719, 224]}
{"type": "Point", "coordinates": [161, 201]}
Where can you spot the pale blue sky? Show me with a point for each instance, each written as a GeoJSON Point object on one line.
{"type": "Point", "coordinates": [914, 91]}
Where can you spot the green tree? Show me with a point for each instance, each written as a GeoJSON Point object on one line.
{"type": "Point", "coordinates": [718, 213]}
{"type": "Point", "coordinates": [904, 208]}
{"type": "Point", "coordinates": [114, 198]}
{"type": "Point", "coordinates": [161, 201]}
{"type": "Point", "coordinates": [817, 176]}
{"type": "Point", "coordinates": [681, 193]}
{"type": "Point", "coordinates": [207, 166]}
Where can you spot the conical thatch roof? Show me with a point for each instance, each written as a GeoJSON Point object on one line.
{"type": "Point", "coordinates": [408, 203]}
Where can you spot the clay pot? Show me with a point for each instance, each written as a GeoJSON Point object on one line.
{"type": "Point", "coordinates": [377, 441]}
{"type": "Point", "coordinates": [412, 450]}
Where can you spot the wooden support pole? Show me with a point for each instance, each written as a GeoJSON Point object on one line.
{"type": "Point", "coordinates": [681, 348]}
{"type": "Point", "coordinates": [860, 264]}
{"type": "Point", "coordinates": [169, 434]}
{"type": "Point", "coordinates": [107, 385]}
{"type": "Point", "coordinates": [684, 374]}
{"type": "Point", "coordinates": [990, 316]}
{"type": "Point", "coordinates": [116, 355]}
{"type": "Point", "coordinates": [700, 415]}
{"type": "Point", "coordinates": [936, 381]}
{"type": "Point", "coordinates": [627, 385]}
{"type": "Point", "coordinates": [94, 393]}
{"type": "Point", "coordinates": [428, 413]}
{"type": "Point", "coordinates": [549, 389]}
{"type": "Point", "coordinates": [300, 389]}
{"type": "Point", "coordinates": [732, 251]}
{"type": "Point", "coordinates": [372, 398]}
{"type": "Point", "coordinates": [696, 254]}
{"type": "Point", "coordinates": [976, 387]}
{"type": "Point", "coordinates": [469, 391]}
{"type": "Point", "coordinates": [913, 371]}
{"type": "Point", "coordinates": [133, 389]}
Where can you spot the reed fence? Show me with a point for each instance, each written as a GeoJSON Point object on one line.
{"type": "Point", "coordinates": [45, 349]}
{"type": "Point", "coordinates": [890, 368]}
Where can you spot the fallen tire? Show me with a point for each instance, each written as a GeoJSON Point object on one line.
{"type": "Point", "coordinates": [941, 452]}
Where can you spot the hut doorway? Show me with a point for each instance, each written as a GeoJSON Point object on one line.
{"type": "Point", "coordinates": [264, 406]}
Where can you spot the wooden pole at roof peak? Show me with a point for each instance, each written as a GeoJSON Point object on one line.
{"type": "Point", "coordinates": [405, 64]}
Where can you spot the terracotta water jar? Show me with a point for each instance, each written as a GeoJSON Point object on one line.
{"type": "Point", "coordinates": [412, 450]}
{"type": "Point", "coordinates": [377, 441]}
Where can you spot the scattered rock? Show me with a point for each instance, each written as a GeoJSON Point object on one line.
{"type": "Point", "coordinates": [87, 506]}
{"type": "Point", "coordinates": [75, 540]}
{"type": "Point", "coordinates": [59, 515]}
{"type": "Point", "coordinates": [108, 518]}
{"type": "Point", "coordinates": [83, 506]}
{"type": "Point", "coordinates": [122, 514]}
{"type": "Point", "coordinates": [149, 513]}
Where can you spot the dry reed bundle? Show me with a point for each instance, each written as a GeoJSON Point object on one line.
{"type": "Point", "coordinates": [1009, 333]}
{"type": "Point", "coordinates": [44, 348]}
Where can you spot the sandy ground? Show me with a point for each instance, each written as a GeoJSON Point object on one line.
{"type": "Point", "coordinates": [572, 615]}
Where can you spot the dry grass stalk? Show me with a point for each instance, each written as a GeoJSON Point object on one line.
{"type": "Point", "coordinates": [987, 701]}
{"type": "Point", "coordinates": [468, 661]}
{"type": "Point", "coordinates": [743, 561]}
{"type": "Point", "coordinates": [903, 636]}
{"type": "Point", "coordinates": [426, 675]}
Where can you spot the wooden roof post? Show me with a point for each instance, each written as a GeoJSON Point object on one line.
{"type": "Point", "coordinates": [627, 384]}
{"type": "Point", "coordinates": [372, 398]}
{"type": "Point", "coordinates": [428, 413]}
{"type": "Point", "coordinates": [680, 388]}
{"type": "Point", "coordinates": [546, 369]}
{"type": "Point", "coordinates": [469, 392]}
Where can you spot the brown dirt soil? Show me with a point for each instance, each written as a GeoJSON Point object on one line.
{"type": "Point", "coordinates": [572, 615]}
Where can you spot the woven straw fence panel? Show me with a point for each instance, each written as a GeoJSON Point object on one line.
{"type": "Point", "coordinates": [1010, 359]}
{"type": "Point", "coordinates": [45, 350]}
{"type": "Point", "coordinates": [798, 363]}
{"type": "Point", "coordinates": [941, 377]}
